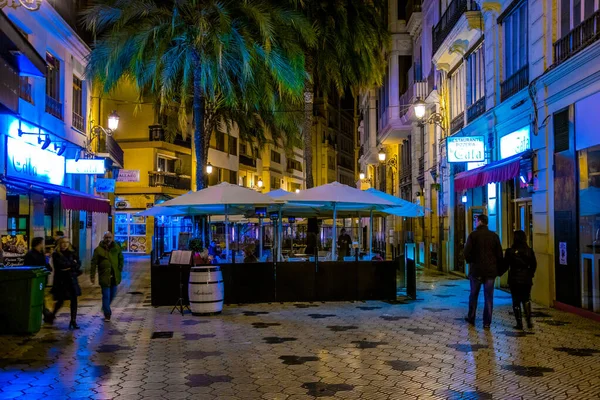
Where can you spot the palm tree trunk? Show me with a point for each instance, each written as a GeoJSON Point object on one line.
{"type": "Point", "coordinates": [307, 135]}
{"type": "Point", "coordinates": [199, 132]}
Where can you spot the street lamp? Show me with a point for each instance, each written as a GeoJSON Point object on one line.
{"type": "Point", "coordinates": [113, 121]}
{"type": "Point", "coordinates": [259, 183]}
{"type": "Point", "coordinates": [297, 190]}
{"type": "Point", "coordinates": [381, 156]}
{"type": "Point", "coordinates": [361, 176]}
{"type": "Point", "coordinates": [209, 168]}
{"type": "Point", "coordinates": [419, 108]}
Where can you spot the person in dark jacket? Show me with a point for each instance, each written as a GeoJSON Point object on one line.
{"type": "Point", "coordinates": [521, 264]}
{"type": "Point", "coordinates": [66, 271]}
{"type": "Point", "coordinates": [108, 261]}
{"type": "Point", "coordinates": [36, 258]}
{"type": "Point", "coordinates": [483, 252]}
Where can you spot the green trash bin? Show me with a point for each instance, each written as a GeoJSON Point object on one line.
{"type": "Point", "coordinates": [22, 299]}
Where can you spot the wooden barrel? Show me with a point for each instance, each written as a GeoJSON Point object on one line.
{"type": "Point", "coordinates": [205, 290]}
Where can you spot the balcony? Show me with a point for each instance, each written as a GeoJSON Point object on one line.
{"type": "Point", "coordinates": [457, 123]}
{"type": "Point", "coordinates": [247, 161]}
{"type": "Point", "coordinates": [583, 35]}
{"type": "Point", "coordinates": [414, 17]}
{"type": "Point", "coordinates": [110, 149]}
{"type": "Point", "coordinates": [449, 19]}
{"type": "Point", "coordinates": [9, 86]}
{"type": "Point", "coordinates": [25, 90]}
{"type": "Point", "coordinates": [517, 82]}
{"type": "Point", "coordinates": [54, 107]}
{"type": "Point", "coordinates": [475, 110]}
{"type": "Point", "coordinates": [170, 180]}
{"type": "Point", "coordinates": [157, 133]}
{"type": "Point", "coordinates": [78, 122]}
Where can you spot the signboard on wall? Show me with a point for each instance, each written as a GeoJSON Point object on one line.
{"type": "Point", "coordinates": [14, 248]}
{"type": "Point", "coordinates": [514, 143]}
{"type": "Point", "coordinates": [26, 161]}
{"type": "Point", "coordinates": [104, 185]}
{"type": "Point", "coordinates": [86, 167]}
{"type": "Point", "coordinates": [128, 175]}
{"type": "Point", "coordinates": [466, 149]}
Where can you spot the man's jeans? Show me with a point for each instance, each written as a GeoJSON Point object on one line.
{"type": "Point", "coordinates": [488, 294]}
{"type": "Point", "coordinates": [108, 295]}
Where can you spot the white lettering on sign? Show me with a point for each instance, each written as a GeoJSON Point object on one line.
{"type": "Point", "coordinates": [514, 143]}
{"type": "Point", "coordinates": [466, 149]}
{"type": "Point", "coordinates": [30, 162]}
{"type": "Point", "coordinates": [86, 167]}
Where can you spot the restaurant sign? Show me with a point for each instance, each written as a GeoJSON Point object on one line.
{"type": "Point", "coordinates": [466, 149]}
{"type": "Point", "coordinates": [26, 161]}
{"type": "Point", "coordinates": [128, 175]}
{"type": "Point", "coordinates": [86, 167]}
{"type": "Point", "coordinates": [104, 185]}
{"type": "Point", "coordinates": [515, 143]}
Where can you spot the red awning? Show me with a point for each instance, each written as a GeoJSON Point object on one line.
{"type": "Point", "coordinates": [498, 171]}
{"type": "Point", "coordinates": [89, 204]}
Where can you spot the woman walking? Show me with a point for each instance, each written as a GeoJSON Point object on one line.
{"type": "Point", "coordinates": [521, 263]}
{"type": "Point", "coordinates": [66, 271]}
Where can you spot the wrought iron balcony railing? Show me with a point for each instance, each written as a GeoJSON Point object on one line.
{"type": "Point", "coordinates": [108, 146]}
{"type": "Point", "coordinates": [247, 160]}
{"type": "Point", "coordinates": [78, 122]}
{"type": "Point", "coordinates": [515, 83]}
{"type": "Point", "coordinates": [457, 123]}
{"type": "Point", "coordinates": [476, 109]}
{"type": "Point", "coordinates": [54, 107]}
{"type": "Point", "coordinates": [170, 180]}
{"type": "Point", "coordinates": [579, 38]}
{"type": "Point", "coordinates": [450, 17]}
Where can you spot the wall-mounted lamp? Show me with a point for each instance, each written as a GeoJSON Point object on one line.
{"type": "Point", "coordinates": [464, 198]}
{"type": "Point", "coordinates": [297, 190]}
{"type": "Point", "coordinates": [45, 143]}
{"type": "Point", "coordinates": [260, 183]}
{"type": "Point", "coordinates": [209, 168]}
{"type": "Point", "coordinates": [361, 176]}
{"type": "Point", "coordinates": [381, 156]}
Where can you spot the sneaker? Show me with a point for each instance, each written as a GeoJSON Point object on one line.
{"type": "Point", "coordinates": [470, 321]}
{"type": "Point", "coordinates": [486, 327]}
{"type": "Point", "coordinates": [107, 318]}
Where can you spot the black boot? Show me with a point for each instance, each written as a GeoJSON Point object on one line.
{"type": "Point", "coordinates": [73, 324]}
{"type": "Point", "coordinates": [48, 316]}
{"type": "Point", "coordinates": [517, 312]}
{"type": "Point", "coordinates": [527, 308]}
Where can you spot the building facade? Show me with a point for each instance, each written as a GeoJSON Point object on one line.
{"type": "Point", "coordinates": [48, 157]}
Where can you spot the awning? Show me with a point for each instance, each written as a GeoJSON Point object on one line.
{"type": "Point", "coordinates": [80, 203]}
{"type": "Point", "coordinates": [498, 171]}
{"type": "Point", "coordinates": [30, 61]}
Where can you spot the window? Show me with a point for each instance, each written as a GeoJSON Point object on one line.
{"type": "Point", "coordinates": [293, 186]}
{"type": "Point", "coordinates": [233, 146]}
{"type": "Point", "coordinates": [294, 164]}
{"type": "Point", "coordinates": [476, 76]}
{"type": "Point", "coordinates": [130, 232]}
{"type": "Point", "coordinates": [53, 105]}
{"type": "Point", "coordinates": [244, 149]}
{"type": "Point", "coordinates": [220, 141]}
{"type": "Point", "coordinates": [78, 120]}
{"type": "Point", "coordinates": [25, 82]}
{"type": "Point", "coordinates": [573, 12]}
{"type": "Point", "coordinates": [275, 183]}
{"type": "Point", "coordinates": [275, 157]}
{"type": "Point", "coordinates": [457, 91]}
{"type": "Point", "coordinates": [515, 39]}
{"type": "Point", "coordinates": [165, 164]}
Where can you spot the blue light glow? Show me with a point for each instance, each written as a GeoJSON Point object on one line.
{"type": "Point", "coordinates": [30, 162]}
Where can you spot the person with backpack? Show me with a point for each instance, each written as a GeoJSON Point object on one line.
{"type": "Point", "coordinates": [521, 265]}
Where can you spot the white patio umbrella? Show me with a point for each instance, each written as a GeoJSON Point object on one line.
{"type": "Point", "coordinates": [222, 199]}
{"type": "Point", "coordinates": [339, 198]}
{"type": "Point", "coordinates": [402, 207]}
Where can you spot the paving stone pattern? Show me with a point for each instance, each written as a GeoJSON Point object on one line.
{"type": "Point", "coordinates": [380, 350]}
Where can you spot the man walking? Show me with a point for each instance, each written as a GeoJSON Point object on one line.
{"type": "Point", "coordinates": [108, 260]}
{"type": "Point", "coordinates": [483, 252]}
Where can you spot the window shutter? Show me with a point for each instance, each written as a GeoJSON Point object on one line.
{"type": "Point", "coordinates": [561, 131]}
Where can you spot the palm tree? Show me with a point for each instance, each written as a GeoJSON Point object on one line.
{"type": "Point", "coordinates": [352, 37]}
{"type": "Point", "coordinates": [214, 58]}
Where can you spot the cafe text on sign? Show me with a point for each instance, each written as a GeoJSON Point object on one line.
{"type": "Point", "coordinates": [466, 149]}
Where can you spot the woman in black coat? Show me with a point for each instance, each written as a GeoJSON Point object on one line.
{"type": "Point", "coordinates": [521, 263]}
{"type": "Point", "coordinates": [66, 271]}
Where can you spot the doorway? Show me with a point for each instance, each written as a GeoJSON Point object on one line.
{"type": "Point", "coordinates": [460, 234]}
{"type": "Point", "coordinates": [523, 219]}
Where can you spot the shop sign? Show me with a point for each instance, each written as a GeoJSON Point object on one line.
{"type": "Point", "coordinates": [104, 185]}
{"type": "Point", "coordinates": [14, 248]}
{"type": "Point", "coordinates": [86, 167]}
{"type": "Point", "coordinates": [514, 143]}
{"type": "Point", "coordinates": [30, 162]}
{"type": "Point", "coordinates": [466, 148]}
{"type": "Point", "coordinates": [121, 204]}
{"type": "Point", "coordinates": [128, 175]}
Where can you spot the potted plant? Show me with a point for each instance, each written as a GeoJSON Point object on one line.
{"type": "Point", "coordinates": [196, 246]}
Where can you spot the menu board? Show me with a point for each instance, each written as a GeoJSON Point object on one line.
{"type": "Point", "coordinates": [130, 232]}
{"type": "Point", "coordinates": [181, 257]}
{"type": "Point", "coordinates": [14, 248]}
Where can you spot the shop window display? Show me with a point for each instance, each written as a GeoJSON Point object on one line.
{"type": "Point", "coordinates": [130, 232]}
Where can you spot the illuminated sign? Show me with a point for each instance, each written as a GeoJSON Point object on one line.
{"type": "Point", "coordinates": [474, 165]}
{"type": "Point", "coordinates": [26, 161]}
{"type": "Point", "coordinates": [514, 143]}
{"type": "Point", "coordinates": [466, 149]}
{"type": "Point", "coordinates": [128, 175]}
{"type": "Point", "coordinates": [89, 167]}
{"type": "Point", "coordinates": [105, 185]}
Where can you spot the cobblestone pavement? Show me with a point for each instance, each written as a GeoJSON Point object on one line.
{"type": "Point", "coordinates": [343, 350]}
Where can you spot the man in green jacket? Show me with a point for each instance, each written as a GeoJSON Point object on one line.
{"type": "Point", "coordinates": [108, 260]}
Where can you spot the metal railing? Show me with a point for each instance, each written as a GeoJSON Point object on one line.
{"type": "Point", "coordinates": [476, 109]}
{"type": "Point", "coordinates": [450, 17]}
{"type": "Point", "coordinates": [412, 6]}
{"type": "Point", "coordinates": [457, 123]}
{"type": "Point", "coordinates": [25, 89]}
{"type": "Point", "coordinates": [108, 145]}
{"type": "Point", "coordinates": [579, 38]}
{"type": "Point", "coordinates": [54, 107]}
{"type": "Point", "coordinates": [247, 160]}
{"type": "Point", "coordinates": [421, 167]}
{"type": "Point", "coordinates": [515, 83]}
{"type": "Point", "coordinates": [78, 122]}
{"type": "Point", "coordinates": [170, 180]}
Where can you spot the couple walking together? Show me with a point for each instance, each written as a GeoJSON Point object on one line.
{"type": "Point", "coordinates": [483, 252]}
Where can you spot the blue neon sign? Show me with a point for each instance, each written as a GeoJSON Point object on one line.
{"type": "Point", "coordinates": [30, 162]}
